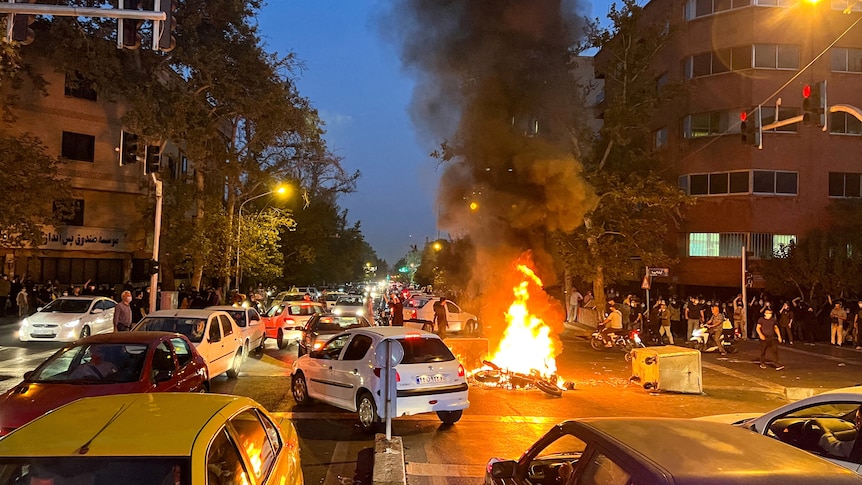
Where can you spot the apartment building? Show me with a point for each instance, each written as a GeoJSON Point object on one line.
{"type": "Point", "coordinates": [110, 236]}
{"type": "Point", "coordinates": [733, 56]}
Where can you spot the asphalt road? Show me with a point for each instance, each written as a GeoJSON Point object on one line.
{"type": "Point", "coordinates": [504, 422]}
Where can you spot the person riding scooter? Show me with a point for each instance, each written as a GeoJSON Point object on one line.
{"type": "Point", "coordinates": [612, 324]}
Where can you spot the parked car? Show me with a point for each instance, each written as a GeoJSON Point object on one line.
{"type": "Point", "coordinates": [350, 305]}
{"type": "Point", "coordinates": [69, 318]}
{"type": "Point", "coordinates": [659, 451]}
{"type": "Point", "coordinates": [249, 322]}
{"type": "Point", "coordinates": [213, 332]}
{"type": "Point", "coordinates": [126, 439]}
{"type": "Point", "coordinates": [133, 362]}
{"type": "Point", "coordinates": [285, 321]}
{"type": "Point", "coordinates": [802, 423]}
{"type": "Point", "coordinates": [419, 313]}
{"type": "Point", "coordinates": [344, 373]}
{"type": "Point", "coordinates": [323, 326]}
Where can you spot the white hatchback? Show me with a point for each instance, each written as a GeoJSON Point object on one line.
{"type": "Point", "coordinates": [344, 373]}
{"type": "Point", "coordinates": [214, 334]}
{"type": "Point", "coordinates": [69, 318]}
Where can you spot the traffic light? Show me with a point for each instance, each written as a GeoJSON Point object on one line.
{"type": "Point", "coordinates": [128, 148]}
{"type": "Point", "coordinates": [749, 128]}
{"type": "Point", "coordinates": [167, 41]}
{"type": "Point", "coordinates": [814, 106]}
{"type": "Point", "coordinates": [749, 279]}
{"type": "Point", "coordinates": [21, 31]}
{"type": "Point", "coordinates": [130, 29]}
{"type": "Point", "coordinates": [154, 159]}
{"type": "Point", "coordinates": [151, 266]}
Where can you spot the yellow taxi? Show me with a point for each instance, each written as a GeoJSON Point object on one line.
{"type": "Point", "coordinates": [153, 439]}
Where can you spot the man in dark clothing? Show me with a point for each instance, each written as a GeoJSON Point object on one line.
{"type": "Point", "coordinates": [396, 311]}
{"type": "Point", "coordinates": [137, 306]}
{"type": "Point", "coordinates": [440, 317]}
{"type": "Point", "coordinates": [14, 289]}
{"type": "Point", "coordinates": [767, 331]}
{"type": "Point", "coordinates": [5, 289]}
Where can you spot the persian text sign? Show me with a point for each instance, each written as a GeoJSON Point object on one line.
{"type": "Point", "coordinates": [84, 239]}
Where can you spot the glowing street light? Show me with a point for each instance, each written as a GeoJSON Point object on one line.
{"type": "Point", "coordinates": [280, 190]}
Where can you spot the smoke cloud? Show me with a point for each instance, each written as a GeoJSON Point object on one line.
{"type": "Point", "coordinates": [494, 84]}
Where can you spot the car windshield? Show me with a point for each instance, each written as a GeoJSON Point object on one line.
{"type": "Point", "coordinates": [422, 350]}
{"type": "Point", "coordinates": [102, 363]}
{"type": "Point", "coordinates": [193, 328]}
{"type": "Point", "coordinates": [304, 310]}
{"type": "Point", "coordinates": [65, 305]}
{"type": "Point", "coordinates": [349, 301]}
{"type": "Point", "coordinates": [337, 324]}
{"type": "Point", "coordinates": [238, 316]}
{"type": "Point", "coordinates": [85, 470]}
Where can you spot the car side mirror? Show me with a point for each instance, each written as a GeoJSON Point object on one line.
{"type": "Point", "coordinates": [299, 328]}
{"type": "Point", "coordinates": [27, 375]}
{"type": "Point", "coordinates": [317, 354]}
{"type": "Point", "coordinates": [163, 376]}
{"type": "Point", "coordinates": [503, 469]}
{"type": "Point", "coordinates": [97, 310]}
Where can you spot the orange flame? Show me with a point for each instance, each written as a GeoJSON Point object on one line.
{"type": "Point", "coordinates": [527, 343]}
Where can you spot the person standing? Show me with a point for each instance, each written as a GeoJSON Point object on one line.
{"type": "Point", "coordinates": [664, 321]}
{"type": "Point", "coordinates": [785, 323]}
{"type": "Point", "coordinates": [396, 310]}
{"type": "Point", "coordinates": [137, 306]}
{"type": "Point", "coordinates": [692, 315]}
{"type": "Point", "coordinates": [123, 313]}
{"type": "Point", "coordinates": [575, 300]}
{"type": "Point", "coordinates": [739, 320]}
{"type": "Point", "coordinates": [5, 289]}
{"type": "Point", "coordinates": [767, 331]}
{"type": "Point", "coordinates": [856, 320]}
{"type": "Point", "coordinates": [22, 299]}
{"type": "Point", "coordinates": [837, 317]}
{"type": "Point", "coordinates": [441, 319]}
{"type": "Point", "coordinates": [14, 288]}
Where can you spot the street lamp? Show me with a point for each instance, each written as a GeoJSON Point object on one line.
{"type": "Point", "coordinates": [280, 190]}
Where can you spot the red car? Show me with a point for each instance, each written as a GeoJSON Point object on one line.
{"type": "Point", "coordinates": [113, 363]}
{"type": "Point", "coordinates": [285, 321]}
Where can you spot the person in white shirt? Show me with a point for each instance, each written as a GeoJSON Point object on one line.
{"type": "Point", "coordinates": [574, 304]}
{"type": "Point", "coordinates": [834, 445]}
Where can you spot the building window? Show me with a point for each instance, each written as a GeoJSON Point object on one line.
{"type": "Point", "coordinates": [844, 185]}
{"type": "Point", "coordinates": [72, 212]}
{"type": "Point", "coordinates": [846, 59]}
{"type": "Point", "coordinates": [702, 8]}
{"type": "Point", "coordinates": [764, 246]}
{"type": "Point", "coordinates": [660, 138]}
{"type": "Point", "coordinates": [729, 244]}
{"type": "Point", "coordinates": [772, 182]}
{"type": "Point", "coordinates": [683, 183]}
{"type": "Point", "coordinates": [842, 123]}
{"type": "Point", "coordinates": [77, 146]}
{"type": "Point", "coordinates": [706, 124]}
{"type": "Point", "coordinates": [184, 165]}
{"type": "Point", "coordinates": [76, 86]}
{"type": "Point", "coordinates": [773, 56]}
{"type": "Point", "coordinates": [717, 62]}
{"type": "Point", "coordinates": [739, 182]}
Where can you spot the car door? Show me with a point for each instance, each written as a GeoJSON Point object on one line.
{"type": "Point", "coordinates": [253, 322]}
{"type": "Point", "coordinates": [454, 317]}
{"type": "Point", "coordinates": [187, 377]}
{"type": "Point", "coordinates": [163, 370]}
{"type": "Point", "coordinates": [350, 371]}
{"type": "Point", "coordinates": [318, 371]}
{"type": "Point", "coordinates": [213, 347]}
{"type": "Point", "coordinates": [231, 336]}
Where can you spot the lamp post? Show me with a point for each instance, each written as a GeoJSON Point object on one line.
{"type": "Point", "coordinates": [279, 190]}
{"type": "Point", "coordinates": [154, 277]}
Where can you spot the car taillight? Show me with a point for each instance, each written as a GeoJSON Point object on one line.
{"type": "Point", "coordinates": [461, 372]}
{"type": "Point", "coordinates": [377, 372]}
{"type": "Point", "coordinates": [289, 321]}
{"type": "Point", "coordinates": [413, 314]}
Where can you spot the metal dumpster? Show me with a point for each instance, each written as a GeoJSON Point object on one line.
{"type": "Point", "coordinates": [669, 368]}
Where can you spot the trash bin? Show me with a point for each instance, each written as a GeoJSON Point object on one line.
{"type": "Point", "coordinates": [668, 368]}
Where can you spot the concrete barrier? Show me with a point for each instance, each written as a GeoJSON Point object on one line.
{"type": "Point", "coordinates": [388, 461]}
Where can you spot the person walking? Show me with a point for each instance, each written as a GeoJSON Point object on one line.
{"type": "Point", "coordinates": [767, 332]}
{"type": "Point", "coordinates": [574, 305]}
{"type": "Point", "coordinates": [396, 311]}
{"type": "Point", "coordinates": [664, 322]}
{"type": "Point", "coordinates": [5, 289]}
{"type": "Point", "coordinates": [123, 313]}
{"type": "Point", "coordinates": [837, 317]}
{"type": "Point", "coordinates": [440, 317]}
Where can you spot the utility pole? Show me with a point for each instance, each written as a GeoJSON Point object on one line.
{"type": "Point", "coordinates": [154, 278]}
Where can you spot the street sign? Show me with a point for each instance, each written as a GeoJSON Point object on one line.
{"type": "Point", "coordinates": [645, 284]}
{"type": "Point", "coordinates": [659, 271]}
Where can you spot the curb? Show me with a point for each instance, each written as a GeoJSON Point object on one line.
{"type": "Point", "coordinates": [389, 466]}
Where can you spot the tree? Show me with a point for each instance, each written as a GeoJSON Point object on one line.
{"type": "Point", "coordinates": [30, 183]}
{"type": "Point", "coordinates": [636, 208]}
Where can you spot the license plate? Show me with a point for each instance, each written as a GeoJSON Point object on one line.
{"type": "Point", "coordinates": [429, 379]}
{"type": "Point", "coordinates": [42, 331]}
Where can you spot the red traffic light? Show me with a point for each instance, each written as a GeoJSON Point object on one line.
{"type": "Point", "coordinates": [806, 91]}
{"type": "Point", "coordinates": [743, 116]}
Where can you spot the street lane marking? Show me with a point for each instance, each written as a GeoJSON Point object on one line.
{"type": "Point", "coordinates": [823, 356]}
{"type": "Point", "coordinates": [426, 417]}
{"type": "Point", "coordinates": [743, 376]}
{"type": "Point", "coordinates": [445, 470]}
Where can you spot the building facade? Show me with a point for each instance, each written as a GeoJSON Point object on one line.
{"type": "Point", "coordinates": [755, 57]}
{"type": "Point", "coordinates": [110, 237]}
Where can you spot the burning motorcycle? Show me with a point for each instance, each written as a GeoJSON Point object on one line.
{"type": "Point", "coordinates": [621, 339]}
{"type": "Point", "coordinates": [700, 339]}
{"type": "Point", "coordinates": [493, 375]}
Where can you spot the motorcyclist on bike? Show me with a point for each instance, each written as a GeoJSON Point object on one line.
{"type": "Point", "coordinates": [613, 323]}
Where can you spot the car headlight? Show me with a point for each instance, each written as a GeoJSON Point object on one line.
{"type": "Point", "coordinates": [73, 323]}
{"type": "Point", "coordinates": [337, 311]}
{"type": "Point", "coordinates": [361, 312]}
{"type": "Point", "coordinates": [25, 323]}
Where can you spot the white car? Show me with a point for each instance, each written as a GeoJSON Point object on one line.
{"type": "Point", "coordinates": [331, 298]}
{"type": "Point", "coordinates": [800, 423]}
{"type": "Point", "coordinates": [214, 334]}
{"type": "Point", "coordinates": [344, 373]}
{"type": "Point", "coordinates": [419, 313]}
{"type": "Point", "coordinates": [69, 318]}
{"type": "Point", "coordinates": [249, 322]}
{"type": "Point", "coordinates": [350, 305]}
